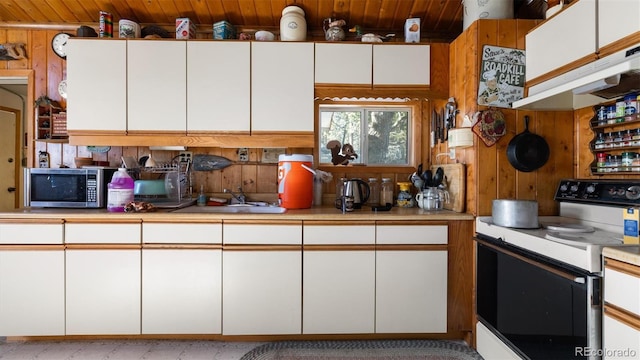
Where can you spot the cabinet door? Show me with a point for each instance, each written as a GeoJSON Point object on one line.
{"type": "Point", "coordinates": [32, 292]}
{"type": "Point", "coordinates": [282, 87]}
{"type": "Point", "coordinates": [181, 291]}
{"type": "Point", "coordinates": [616, 20]}
{"type": "Point", "coordinates": [218, 86]}
{"type": "Point", "coordinates": [97, 85]}
{"type": "Point", "coordinates": [343, 63]}
{"type": "Point", "coordinates": [251, 267]}
{"type": "Point", "coordinates": [407, 65]}
{"type": "Point", "coordinates": [338, 292]}
{"type": "Point", "coordinates": [156, 85]}
{"type": "Point", "coordinates": [338, 278]}
{"type": "Point", "coordinates": [568, 36]}
{"type": "Point", "coordinates": [261, 292]}
{"type": "Point", "coordinates": [620, 339]}
{"type": "Point", "coordinates": [418, 303]}
{"type": "Point", "coordinates": [102, 292]}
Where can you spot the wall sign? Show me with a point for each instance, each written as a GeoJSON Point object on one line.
{"type": "Point", "coordinates": [502, 75]}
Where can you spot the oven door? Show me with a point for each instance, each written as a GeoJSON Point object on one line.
{"type": "Point", "coordinates": [538, 308]}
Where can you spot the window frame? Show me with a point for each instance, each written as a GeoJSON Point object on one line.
{"type": "Point", "coordinates": [415, 133]}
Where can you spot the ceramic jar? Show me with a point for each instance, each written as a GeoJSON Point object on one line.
{"type": "Point", "coordinates": [293, 26]}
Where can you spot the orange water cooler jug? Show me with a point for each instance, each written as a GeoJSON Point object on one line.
{"type": "Point", "coordinates": [295, 181]}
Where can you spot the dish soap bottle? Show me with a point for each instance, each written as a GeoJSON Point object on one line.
{"type": "Point", "coordinates": [202, 198]}
{"type": "Point", "coordinates": [120, 191]}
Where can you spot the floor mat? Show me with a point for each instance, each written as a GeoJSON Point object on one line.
{"type": "Point", "coordinates": [366, 349]}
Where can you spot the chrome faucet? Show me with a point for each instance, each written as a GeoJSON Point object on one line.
{"type": "Point", "coordinates": [241, 198]}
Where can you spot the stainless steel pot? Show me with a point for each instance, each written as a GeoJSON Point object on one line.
{"type": "Point", "coordinates": [515, 213]}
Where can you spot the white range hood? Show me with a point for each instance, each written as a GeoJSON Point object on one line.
{"type": "Point", "coordinates": [600, 81]}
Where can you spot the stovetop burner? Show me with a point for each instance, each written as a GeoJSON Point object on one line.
{"type": "Point", "coordinates": [569, 228]}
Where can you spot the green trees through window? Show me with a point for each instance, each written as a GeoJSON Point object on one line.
{"type": "Point", "coordinates": [379, 135]}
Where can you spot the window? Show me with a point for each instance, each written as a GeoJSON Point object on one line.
{"type": "Point", "coordinates": [380, 135]}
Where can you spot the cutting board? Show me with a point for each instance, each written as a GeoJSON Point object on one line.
{"type": "Point", "coordinates": [456, 185]}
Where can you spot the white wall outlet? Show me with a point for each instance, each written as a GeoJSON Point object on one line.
{"type": "Point", "coordinates": [243, 154]}
{"type": "Point", "coordinates": [185, 156]}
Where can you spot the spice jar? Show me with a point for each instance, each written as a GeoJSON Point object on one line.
{"type": "Point", "coordinates": [608, 141]}
{"type": "Point", "coordinates": [627, 138]}
{"type": "Point", "coordinates": [386, 192]}
{"type": "Point", "coordinates": [614, 163]}
{"type": "Point", "coordinates": [601, 162]}
{"type": "Point", "coordinates": [627, 160]}
{"type": "Point", "coordinates": [600, 141]}
{"type": "Point", "coordinates": [635, 163]}
{"type": "Point", "coordinates": [617, 139]}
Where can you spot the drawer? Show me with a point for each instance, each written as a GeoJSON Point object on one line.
{"type": "Point", "coordinates": [621, 287]}
{"type": "Point", "coordinates": [334, 234]}
{"type": "Point", "coordinates": [411, 234]}
{"type": "Point", "coordinates": [181, 233]}
{"type": "Point", "coordinates": [21, 233]}
{"type": "Point", "coordinates": [262, 234]}
{"type": "Point", "coordinates": [108, 233]}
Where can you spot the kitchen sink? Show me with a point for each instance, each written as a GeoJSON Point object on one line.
{"type": "Point", "coordinates": [232, 209]}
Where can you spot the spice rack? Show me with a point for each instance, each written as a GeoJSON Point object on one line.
{"type": "Point", "coordinates": [616, 144]}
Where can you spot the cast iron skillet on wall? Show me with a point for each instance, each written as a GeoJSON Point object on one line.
{"type": "Point", "coordinates": [527, 151]}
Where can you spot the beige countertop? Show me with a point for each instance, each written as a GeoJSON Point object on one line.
{"type": "Point", "coordinates": [627, 253]}
{"type": "Point", "coordinates": [314, 213]}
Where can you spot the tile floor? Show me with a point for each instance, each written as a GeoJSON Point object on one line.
{"type": "Point", "coordinates": [124, 350]}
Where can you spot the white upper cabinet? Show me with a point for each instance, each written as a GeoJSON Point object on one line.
{"type": "Point", "coordinates": [568, 36]}
{"type": "Point", "coordinates": [617, 19]}
{"type": "Point", "coordinates": [282, 87]}
{"type": "Point", "coordinates": [97, 85]}
{"type": "Point", "coordinates": [406, 65]}
{"type": "Point", "coordinates": [343, 63]}
{"type": "Point", "coordinates": [156, 85]}
{"type": "Point", "coordinates": [218, 86]}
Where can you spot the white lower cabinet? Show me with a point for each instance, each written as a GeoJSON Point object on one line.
{"type": "Point", "coordinates": [31, 278]}
{"type": "Point", "coordinates": [32, 292]}
{"type": "Point", "coordinates": [338, 278]}
{"type": "Point", "coordinates": [411, 278]}
{"type": "Point", "coordinates": [103, 291]}
{"type": "Point", "coordinates": [262, 278]}
{"type": "Point", "coordinates": [621, 320]}
{"type": "Point", "coordinates": [182, 278]}
{"type": "Point", "coordinates": [181, 291]}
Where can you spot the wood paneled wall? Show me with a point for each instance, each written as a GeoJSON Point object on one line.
{"type": "Point", "coordinates": [489, 173]}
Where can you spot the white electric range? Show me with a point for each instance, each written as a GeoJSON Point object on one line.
{"type": "Point", "coordinates": [590, 218]}
{"type": "Point", "coordinates": [554, 272]}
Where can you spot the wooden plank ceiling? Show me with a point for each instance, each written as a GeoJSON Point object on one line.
{"type": "Point", "coordinates": [441, 19]}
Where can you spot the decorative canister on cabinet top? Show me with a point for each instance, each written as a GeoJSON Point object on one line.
{"type": "Point", "coordinates": [293, 26]}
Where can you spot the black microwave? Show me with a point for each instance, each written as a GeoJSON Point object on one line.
{"type": "Point", "coordinates": [67, 187]}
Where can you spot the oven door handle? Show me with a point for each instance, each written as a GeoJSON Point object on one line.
{"type": "Point", "coordinates": [565, 275]}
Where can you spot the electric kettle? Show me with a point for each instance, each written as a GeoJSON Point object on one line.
{"type": "Point", "coordinates": [358, 189]}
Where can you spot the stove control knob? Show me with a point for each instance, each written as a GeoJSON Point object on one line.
{"type": "Point", "coordinates": [622, 191]}
{"type": "Point", "coordinates": [574, 188]}
{"type": "Point", "coordinates": [633, 192]}
{"type": "Point", "coordinates": [590, 189]}
{"type": "Point", "coordinates": [563, 187]}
